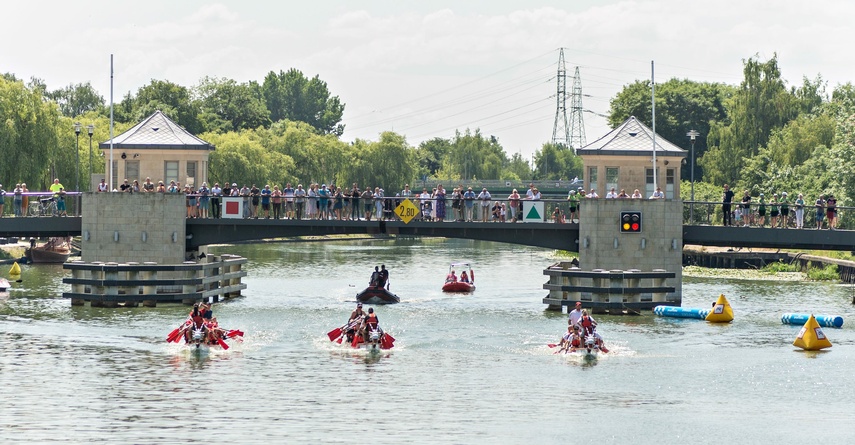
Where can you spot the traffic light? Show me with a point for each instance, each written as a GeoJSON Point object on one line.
{"type": "Point", "coordinates": [630, 222]}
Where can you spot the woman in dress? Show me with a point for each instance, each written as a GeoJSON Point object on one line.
{"type": "Point", "coordinates": [440, 203]}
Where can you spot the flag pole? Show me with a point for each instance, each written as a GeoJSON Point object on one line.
{"type": "Point", "coordinates": [110, 170]}
{"type": "Point", "coordinates": [653, 108]}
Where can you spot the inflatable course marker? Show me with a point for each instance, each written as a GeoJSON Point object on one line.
{"type": "Point", "coordinates": [828, 321]}
{"type": "Point", "coordinates": [722, 312]}
{"type": "Point", "coordinates": [681, 312]}
{"type": "Point", "coordinates": [15, 270]}
{"type": "Point", "coordinates": [811, 337]}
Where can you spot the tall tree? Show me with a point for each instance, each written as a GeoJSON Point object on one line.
{"type": "Point", "coordinates": [681, 105]}
{"type": "Point", "coordinates": [28, 140]}
{"type": "Point", "coordinates": [229, 106]}
{"type": "Point", "coordinates": [556, 161]}
{"type": "Point", "coordinates": [290, 95]}
{"type": "Point", "coordinates": [172, 99]}
{"type": "Point", "coordinates": [761, 105]}
{"type": "Point", "coordinates": [77, 99]}
{"type": "Point", "coordinates": [429, 155]}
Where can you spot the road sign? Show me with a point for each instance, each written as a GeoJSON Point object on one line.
{"type": "Point", "coordinates": [532, 211]}
{"type": "Point", "coordinates": [406, 210]}
{"type": "Point", "coordinates": [630, 222]}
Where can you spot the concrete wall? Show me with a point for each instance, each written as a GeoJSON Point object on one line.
{"type": "Point", "coordinates": [658, 246]}
{"type": "Point", "coordinates": [150, 227]}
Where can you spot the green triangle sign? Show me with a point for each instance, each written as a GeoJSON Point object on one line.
{"type": "Point", "coordinates": [532, 214]}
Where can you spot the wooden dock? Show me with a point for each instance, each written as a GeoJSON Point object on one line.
{"type": "Point", "coordinates": [607, 291]}
{"type": "Point", "coordinates": [129, 284]}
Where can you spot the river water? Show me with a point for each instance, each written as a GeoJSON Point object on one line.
{"type": "Point", "coordinates": [466, 368]}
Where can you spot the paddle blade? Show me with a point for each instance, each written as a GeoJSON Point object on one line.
{"type": "Point", "coordinates": [355, 341]}
{"type": "Point", "coordinates": [172, 334]}
{"type": "Point", "coordinates": [552, 345]}
{"type": "Point", "coordinates": [222, 344]}
{"type": "Point", "coordinates": [387, 342]}
{"type": "Point", "coordinates": [334, 334]}
{"type": "Point", "coordinates": [389, 336]}
{"type": "Point", "coordinates": [234, 333]}
{"type": "Point", "coordinates": [604, 350]}
{"type": "Point", "coordinates": [340, 339]}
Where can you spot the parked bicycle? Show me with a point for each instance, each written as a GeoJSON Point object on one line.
{"type": "Point", "coordinates": [44, 206]}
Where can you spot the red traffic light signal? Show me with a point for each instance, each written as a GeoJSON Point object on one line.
{"type": "Point", "coordinates": [630, 222]}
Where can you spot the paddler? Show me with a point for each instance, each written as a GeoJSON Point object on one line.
{"type": "Point", "coordinates": [354, 321]}
{"type": "Point", "coordinates": [370, 323]}
{"type": "Point", "coordinates": [571, 339]}
{"type": "Point", "coordinates": [197, 319]}
{"type": "Point", "coordinates": [589, 327]}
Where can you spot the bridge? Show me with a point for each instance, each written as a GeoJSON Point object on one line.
{"type": "Point", "coordinates": [201, 232]}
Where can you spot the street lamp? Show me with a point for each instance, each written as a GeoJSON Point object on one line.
{"type": "Point", "coordinates": [77, 156]}
{"type": "Point", "coordinates": [692, 134]}
{"type": "Point", "coordinates": [91, 129]}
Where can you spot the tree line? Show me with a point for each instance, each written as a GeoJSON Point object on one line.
{"type": "Point", "coordinates": [761, 135]}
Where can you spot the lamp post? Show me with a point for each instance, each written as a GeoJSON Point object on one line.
{"type": "Point", "coordinates": [91, 129]}
{"type": "Point", "coordinates": [692, 134]}
{"type": "Point", "coordinates": [77, 156]}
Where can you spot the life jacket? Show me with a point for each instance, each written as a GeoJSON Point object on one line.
{"type": "Point", "coordinates": [197, 318]}
{"type": "Point", "coordinates": [464, 277]}
{"type": "Point", "coordinates": [371, 321]}
{"type": "Point", "coordinates": [576, 341]}
{"type": "Point", "coordinates": [587, 325]}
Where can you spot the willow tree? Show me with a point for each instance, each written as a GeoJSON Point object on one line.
{"type": "Point", "coordinates": [28, 137]}
{"type": "Point", "coordinates": [760, 105]}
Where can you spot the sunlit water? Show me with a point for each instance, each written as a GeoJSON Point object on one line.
{"type": "Point", "coordinates": [466, 368]}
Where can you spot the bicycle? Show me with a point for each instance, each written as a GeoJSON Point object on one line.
{"type": "Point", "coordinates": [43, 207]}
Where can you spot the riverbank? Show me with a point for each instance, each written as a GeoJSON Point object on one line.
{"type": "Point", "coordinates": [746, 261]}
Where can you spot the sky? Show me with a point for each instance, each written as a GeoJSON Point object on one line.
{"type": "Point", "coordinates": [427, 69]}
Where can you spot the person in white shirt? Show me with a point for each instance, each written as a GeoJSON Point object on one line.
{"type": "Point", "coordinates": [592, 194]}
{"type": "Point", "coordinates": [485, 198]}
{"type": "Point", "coordinates": [658, 194]}
{"type": "Point", "coordinates": [636, 194]}
{"type": "Point", "coordinates": [575, 315]}
{"type": "Point", "coordinates": [612, 194]}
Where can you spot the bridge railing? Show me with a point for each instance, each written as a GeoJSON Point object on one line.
{"type": "Point", "coordinates": [39, 204]}
{"type": "Point", "coordinates": [757, 215]}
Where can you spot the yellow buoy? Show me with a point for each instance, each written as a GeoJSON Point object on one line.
{"type": "Point", "coordinates": [721, 312]}
{"type": "Point", "coordinates": [811, 337]}
{"type": "Point", "coordinates": [15, 270]}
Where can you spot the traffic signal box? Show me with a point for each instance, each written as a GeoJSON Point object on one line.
{"type": "Point", "coordinates": [630, 222]}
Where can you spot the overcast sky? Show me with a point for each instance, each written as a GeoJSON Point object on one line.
{"type": "Point", "coordinates": [427, 68]}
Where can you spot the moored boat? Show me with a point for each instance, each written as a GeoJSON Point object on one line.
{"type": "Point", "coordinates": [377, 295]}
{"type": "Point", "coordinates": [55, 250]}
{"type": "Point", "coordinates": [4, 285]}
{"type": "Point", "coordinates": [463, 283]}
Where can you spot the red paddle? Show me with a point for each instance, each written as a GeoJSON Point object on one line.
{"type": "Point", "coordinates": [234, 333]}
{"type": "Point", "coordinates": [334, 334]}
{"type": "Point", "coordinates": [222, 344]}
{"type": "Point", "coordinates": [172, 334]}
{"type": "Point", "coordinates": [391, 339]}
{"type": "Point", "coordinates": [387, 342]}
{"type": "Point", "coordinates": [552, 345]}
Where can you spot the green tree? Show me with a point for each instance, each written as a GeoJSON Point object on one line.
{"type": "Point", "coordinates": [681, 105]}
{"type": "Point", "coordinates": [242, 157]}
{"type": "Point", "coordinates": [172, 99]}
{"type": "Point", "coordinates": [28, 138]}
{"type": "Point", "coordinates": [77, 99]}
{"type": "Point", "coordinates": [229, 106]}
{"type": "Point", "coordinates": [518, 168]}
{"type": "Point", "coordinates": [290, 95]}
{"type": "Point", "coordinates": [473, 156]}
{"type": "Point", "coordinates": [556, 161]}
{"type": "Point", "coordinates": [429, 155]}
{"type": "Point", "coordinates": [761, 105]}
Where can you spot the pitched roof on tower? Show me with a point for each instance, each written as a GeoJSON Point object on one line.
{"type": "Point", "coordinates": [157, 131]}
{"type": "Point", "coordinates": [631, 138]}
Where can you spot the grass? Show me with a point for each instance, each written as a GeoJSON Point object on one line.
{"type": "Point", "coordinates": [827, 273]}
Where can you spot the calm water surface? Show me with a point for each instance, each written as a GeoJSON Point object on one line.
{"type": "Point", "coordinates": [465, 369]}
